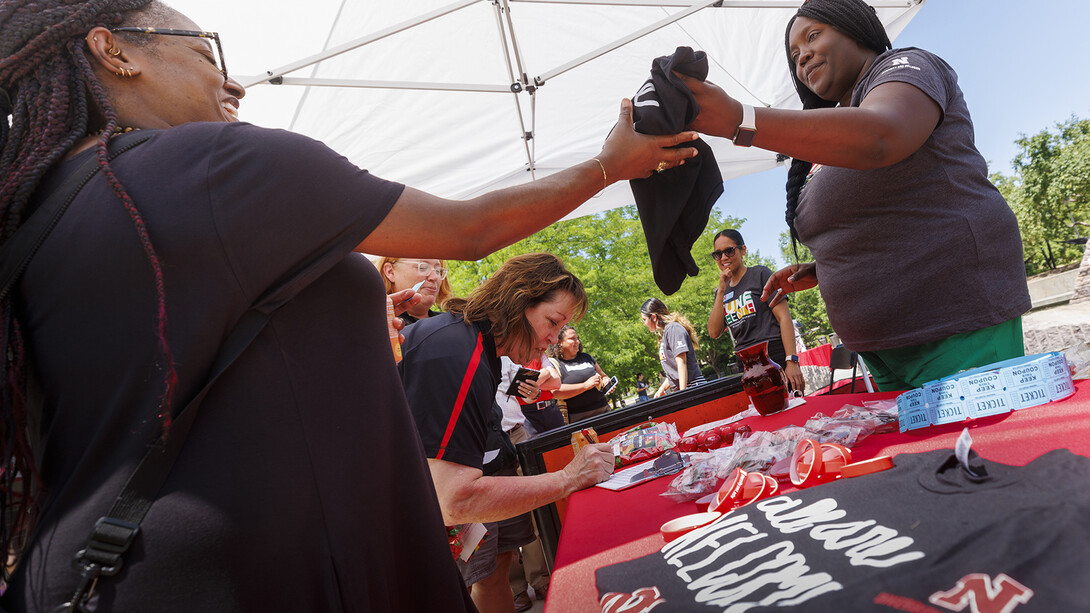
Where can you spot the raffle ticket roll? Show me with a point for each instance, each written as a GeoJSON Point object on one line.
{"type": "Point", "coordinates": [989, 390]}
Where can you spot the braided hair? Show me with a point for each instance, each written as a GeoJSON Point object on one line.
{"type": "Point", "coordinates": [50, 98]}
{"type": "Point", "coordinates": [853, 18]}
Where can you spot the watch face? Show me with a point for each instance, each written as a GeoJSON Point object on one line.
{"type": "Point", "coordinates": [744, 138]}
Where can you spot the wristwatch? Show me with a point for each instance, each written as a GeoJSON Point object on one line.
{"type": "Point", "coordinates": [743, 136]}
{"type": "Point", "coordinates": [793, 358]}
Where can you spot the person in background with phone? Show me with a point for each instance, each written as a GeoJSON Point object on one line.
{"type": "Point", "coordinates": [582, 379]}
{"type": "Point", "coordinates": [676, 348]}
{"type": "Point", "coordinates": [542, 413]}
{"type": "Point", "coordinates": [399, 274]}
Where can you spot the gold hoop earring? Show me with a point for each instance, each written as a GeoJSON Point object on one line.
{"type": "Point", "coordinates": [114, 51]}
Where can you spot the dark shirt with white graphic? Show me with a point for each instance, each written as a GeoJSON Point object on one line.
{"type": "Point", "coordinates": [577, 370]}
{"type": "Point", "coordinates": [749, 319]}
{"type": "Point", "coordinates": [925, 535]}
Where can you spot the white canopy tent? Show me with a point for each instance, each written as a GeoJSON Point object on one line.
{"type": "Point", "coordinates": [458, 97]}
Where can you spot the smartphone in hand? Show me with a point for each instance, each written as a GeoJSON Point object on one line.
{"type": "Point", "coordinates": [608, 387]}
{"type": "Point", "coordinates": [524, 374]}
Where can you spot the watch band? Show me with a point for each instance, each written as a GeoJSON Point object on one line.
{"type": "Point", "coordinates": [743, 136]}
{"type": "Point", "coordinates": [793, 358]}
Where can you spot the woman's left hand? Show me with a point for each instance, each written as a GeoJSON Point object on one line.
{"type": "Point", "coordinates": [795, 380]}
{"type": "Point", "coordinates": [719, 113]}
{"type": "Point", "coordinates": [529, 391]}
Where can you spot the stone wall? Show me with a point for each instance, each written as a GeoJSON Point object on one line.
{"type": "Point", "coordinates": [1055, 337]}
{"type": "Point", "coordinates": [1082, 282]}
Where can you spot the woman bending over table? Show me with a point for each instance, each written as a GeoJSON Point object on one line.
{"type": "Point", "coordinates": [451, 371]}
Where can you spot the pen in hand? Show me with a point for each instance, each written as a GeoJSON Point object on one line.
{"type": "Point", "coordinates": [415, 289]}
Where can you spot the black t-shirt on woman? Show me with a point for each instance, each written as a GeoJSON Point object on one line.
{"type": "Point", "coordinates": [577, 370]}
{"type": "Point", "coordinates": [302, 485]}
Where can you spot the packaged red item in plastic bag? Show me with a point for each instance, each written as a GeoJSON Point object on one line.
{"type": "Point", "coordinates": [643, 442]}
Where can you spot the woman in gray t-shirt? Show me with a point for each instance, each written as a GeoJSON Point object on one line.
{"type": "Point", "coordinates": [676, 347]}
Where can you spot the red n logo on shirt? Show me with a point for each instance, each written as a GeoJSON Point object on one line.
{"type": "Point", "coordinates": [640, 601]}
{"type": "Point", "coordinates": [982, 594]}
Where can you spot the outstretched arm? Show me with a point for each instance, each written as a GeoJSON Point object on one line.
{"type": "Point", "coordinates": [472, 229]}
{"type": "Point", "coordinates": [889, 125]}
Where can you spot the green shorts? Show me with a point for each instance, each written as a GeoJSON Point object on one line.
{"type": "Point", "coordinates": [910, 367]}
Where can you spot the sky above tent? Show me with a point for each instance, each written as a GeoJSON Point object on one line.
{"type": "Point", "coordinates": [1017, 61]}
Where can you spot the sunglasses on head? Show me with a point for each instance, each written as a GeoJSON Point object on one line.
{"type": "Point", "coordinates": [719, 253]}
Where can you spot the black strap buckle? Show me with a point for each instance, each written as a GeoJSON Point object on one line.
{"type": "Point", "coordinates": [107, 544]}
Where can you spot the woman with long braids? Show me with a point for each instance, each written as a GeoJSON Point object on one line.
{"type": "Point", "coordinates": [918, 255]}
{"type": "Point", "coordinates": [302, 485]}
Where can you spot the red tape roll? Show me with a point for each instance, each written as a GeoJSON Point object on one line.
{"type": "Point", "coordinates": [866, 467]}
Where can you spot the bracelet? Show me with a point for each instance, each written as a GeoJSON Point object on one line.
{"type": "Point", "coordinates": [605, 179]}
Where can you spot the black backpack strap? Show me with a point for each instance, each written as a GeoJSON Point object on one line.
{"type": "Point", "coordinates": [17, 252]}
{"type": "Point", "coordinates": [114, 533]}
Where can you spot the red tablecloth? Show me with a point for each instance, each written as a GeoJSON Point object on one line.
{"type": "Point", "coordinates": [603, 527]}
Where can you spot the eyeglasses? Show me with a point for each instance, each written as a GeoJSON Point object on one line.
{"type": "Point", "coordinates": [719, 253]}
{"type": "Point", "coordinates": [217, 48]}
{"type": "Point", "coordinates": [426, 269]}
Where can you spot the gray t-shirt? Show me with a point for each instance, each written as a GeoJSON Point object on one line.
{"type": "Point", "coordinates": [675, 341]}
{"type": "Point", "coordinates": [920, 250]}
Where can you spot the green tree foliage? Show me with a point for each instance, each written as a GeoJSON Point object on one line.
{"type": "Point", "coordinates": [609, 254]}
{"type": "Point", "coordinates": [806, 307]}
{"type": "Point", "coordinates": [1050, 193]}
